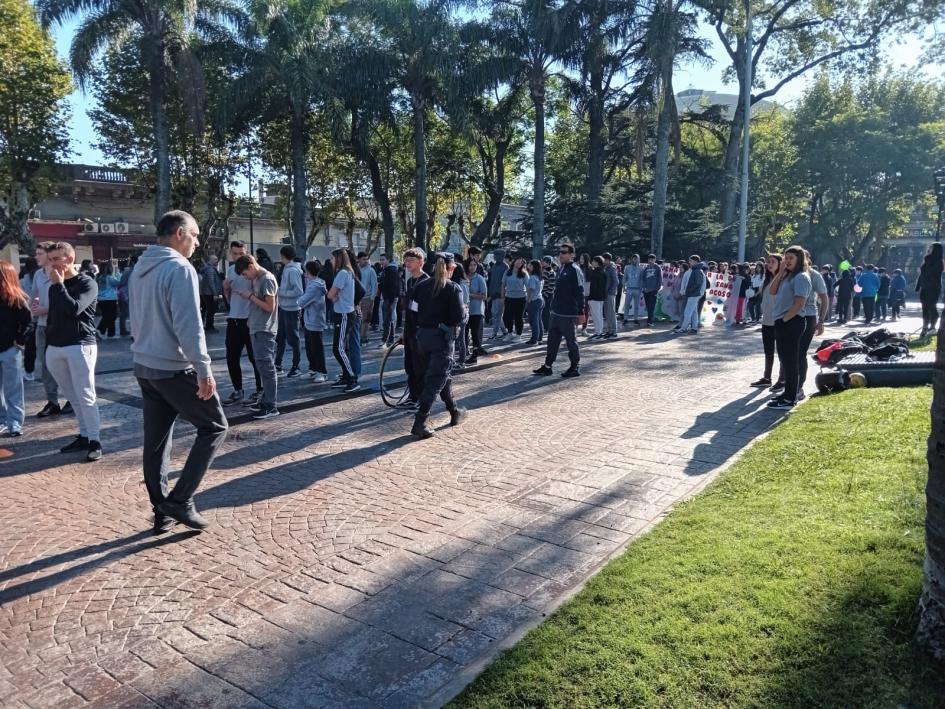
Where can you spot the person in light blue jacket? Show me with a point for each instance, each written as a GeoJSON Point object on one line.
{"type": "Point", "coordinates": [868, 281]}
{"type": "Point", "coordinates": [314, 320]}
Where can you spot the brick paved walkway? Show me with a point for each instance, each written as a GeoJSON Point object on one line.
{"type": "Point", "coordinates": [347, 564]}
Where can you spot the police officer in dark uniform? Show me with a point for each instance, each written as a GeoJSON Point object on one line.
{"type": "Point", "coordinates": [438, 302]}
{"type": "Point", "coordinates": [414, 275]}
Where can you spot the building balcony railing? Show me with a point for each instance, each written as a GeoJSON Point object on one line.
{"type": "Point", "coordinates": [93, 173]}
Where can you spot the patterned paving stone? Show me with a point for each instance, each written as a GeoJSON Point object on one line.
{"type": "Point", "coordinates": [348, 565]}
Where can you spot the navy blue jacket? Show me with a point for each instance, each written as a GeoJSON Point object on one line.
{"type": "Point", "coordinates": [568, 298]}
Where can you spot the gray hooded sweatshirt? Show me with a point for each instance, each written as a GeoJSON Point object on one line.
{"type": "Point", "coordinates": [291, 287]}
{"type": "Point", "coordinates": [164, 302]}
{"type": "Point", "coordinates": [497, 274]}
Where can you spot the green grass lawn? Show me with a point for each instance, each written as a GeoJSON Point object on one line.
{"type": "Point", "coordinates": [791, 582]}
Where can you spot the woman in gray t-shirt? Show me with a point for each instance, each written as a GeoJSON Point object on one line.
{"type": "Point", "coordinates": [790, 288]}
{"type": "Point", "coordinates": [342, 296]}
{"type": "Point", "coordinates": [772, 266]}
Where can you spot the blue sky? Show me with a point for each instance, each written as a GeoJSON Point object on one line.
{"type": "Point", "coordinates": [906, 54]}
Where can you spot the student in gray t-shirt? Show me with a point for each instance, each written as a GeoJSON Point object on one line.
{"type": "Point", "coordinates": [262, 322]}
{"type": "Point", "coordinates": [790, 288]}
{"type": "Point", "coordinates": [815, 310]}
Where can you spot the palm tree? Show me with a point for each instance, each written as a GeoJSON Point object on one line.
{"type": "Point", "coordinates": [421, 39]}
{"type": "Point", "coordinates": [287, 53]}
{"type": "Point", "coordinates": [535, 34]}
{"type": "Point", "coordinates": [931, 630]}
{"type": "Point", "coordinates": [165, 28]}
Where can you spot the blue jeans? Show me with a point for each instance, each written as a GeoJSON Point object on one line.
{"type": "Point", "coordinates": [11, 395]}
{"type": "Point", "coordinates": [533, 311]}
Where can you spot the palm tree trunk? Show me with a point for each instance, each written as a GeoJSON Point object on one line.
{"type": "Point", "coordinates": [538, 221]}
{"type": "Point", "coordinates": [931, 630]}
{"type": "Point", "coordinates": [162, 157]}
{"type": "Point", "coordinates": [420, 173]}
{"type": "Point", "coordinates": [661, 168]}
{"type": "Point", "coordinates": [299, 181]}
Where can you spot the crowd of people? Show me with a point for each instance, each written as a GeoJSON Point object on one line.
{"type": "Point", "coordinates": [55, 311]}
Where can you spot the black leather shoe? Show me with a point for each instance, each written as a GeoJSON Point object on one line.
{"type": "Point", "coordinates": [458, 415]}
{"type": "Point", "coordinates": [49, 410]}
{"type": "Point", "coordinates": [183, 512]}
{"type": "Point", "coordinates": [420, 428]}
{"type": "Point", "coordinates": [162, 523]}
{"type": "Point", "coordinates": [67, 409]}
{"type": "Point", "coordinates": [81, 443]}
{"type": "Point", "coordinates": [543, 371]}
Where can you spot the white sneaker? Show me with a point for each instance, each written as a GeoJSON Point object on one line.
{"type": "Point", "coordinates": [318, 378]}
{"type": "Point", "coordinates": [28, 376]}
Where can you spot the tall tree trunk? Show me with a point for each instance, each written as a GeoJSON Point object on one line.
{"type": "Point", "coordinates": [162, 156]}
{"type": "Point", "coordinates": [931, 629]}
{"type": "Point", "coordinates": [729, 195]}
{"type": "Point", "coordinates": [362, 151]}
{"type": "Point", "coordinates": [420, 172]}
{"type": "Point", "coordinates": [538, 220]}
{"type": "Point", "coordinates": [299, 182]}
{"type": "Point", "coordinates": [383, 203]}
{"type": "Point", "coordinates": [496, 195]}
{"type": "Point", "coordinates": [664, 126]}
{"type": "Point", "coordinates": [595, 154]}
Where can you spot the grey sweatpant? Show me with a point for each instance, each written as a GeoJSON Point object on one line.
{"type": "Point", "coordinates": [74, 370]}
{"type": "Point", "coordinates": [49, 382]}
{"type": "Point", "coordinates": [264, 350]}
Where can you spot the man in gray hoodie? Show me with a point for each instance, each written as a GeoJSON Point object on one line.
{"type": "Point", "coordinates": [172, 366]}
{"type": "Point", "coordinates": [291, 288]}
{"type": "Point", "coordinates": [496, 276]}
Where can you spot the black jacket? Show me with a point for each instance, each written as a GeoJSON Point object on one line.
{"type": "Point", "coordinates": [445, 307]}
{"type": "Point", "coordinates": [389, 282]}
{"type": "Point", "coordinates": [71, 319]}
{"type": "Point", "coordinates": [598, 280]}
{"type": "Point", "coordinates": [930, 277]}
{"type": "Point", "coordinates": [410, 316]}
{"type": "Point", "coordinates": [15, 325]}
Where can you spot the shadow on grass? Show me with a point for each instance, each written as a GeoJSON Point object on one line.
{"type": "Point", "coordinates": [861, 653]}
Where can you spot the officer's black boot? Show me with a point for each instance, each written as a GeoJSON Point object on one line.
{"type": "Point", "coordinates": [420, 428]}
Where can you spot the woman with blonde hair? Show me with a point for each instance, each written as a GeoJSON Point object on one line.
{"type": "Point", "coordinates": [15, 326]}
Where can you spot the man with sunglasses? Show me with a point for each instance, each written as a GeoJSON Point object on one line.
{"type": "Point", "coordinates": [567, 310]}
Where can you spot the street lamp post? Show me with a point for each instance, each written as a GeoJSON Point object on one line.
{"type": "Point", "coordinates": [743, 215]}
